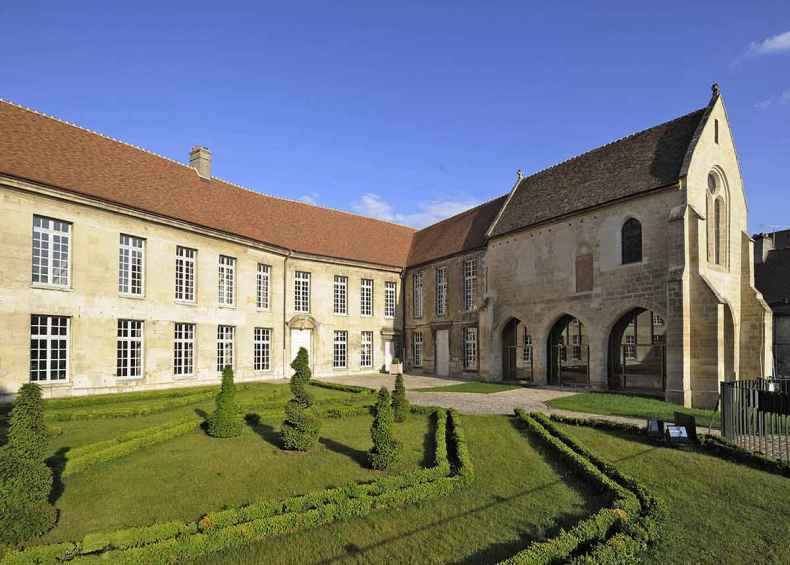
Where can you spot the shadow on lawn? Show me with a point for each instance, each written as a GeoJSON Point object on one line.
{"type": "Point", "coordinates": [267, 432]}
{"type": "Point", "coordinates": [357, 455]}
{"type": "Point", "coordinates": [57, 462]}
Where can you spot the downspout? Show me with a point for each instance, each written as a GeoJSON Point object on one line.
{"type": "Point", "coordinates": [285, 302]}
{"type": "Point", "coordinates": [403, 318]}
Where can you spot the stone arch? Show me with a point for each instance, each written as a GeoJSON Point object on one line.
{"type": "Point", "coordinates": [718, 215]}
{"type": "Point", "coordinates": [728, 356]}
{"type": "Point", "coordinates": [636, 351]}
{"type": "Point", "coordinates": [568, 352]}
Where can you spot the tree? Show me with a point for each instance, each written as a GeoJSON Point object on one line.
{"type": "Point", "coordinates": [301, 427]}
{"type": "Point", "coordinates": [25, 478]}
{"type": "Point", "coordinates": [400, 405]}
{"type": "Point", "coordinates": [386, 449]}
{"type": "Point", "coordinates": [226, 421]}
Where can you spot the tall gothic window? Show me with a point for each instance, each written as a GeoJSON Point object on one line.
{"type": "Point", "coordinates": [632, 241]}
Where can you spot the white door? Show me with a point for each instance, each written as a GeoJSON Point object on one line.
{"type": "Point", "coordinates": [443, 352]}
{"type": "Point", "coordinates": [301, 338]}
{"type": "Point", "coordinates": [387, 355]}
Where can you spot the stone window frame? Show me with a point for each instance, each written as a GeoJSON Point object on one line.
{"type": "Point", "coordinates": [58, 234]}
{"type": "Point", "coordinates": [48, 341]}
{"type": "Point", "coordinates": [366, 350]}
{"type": "Point", "coordinates": [366, 298]}
{"type": "Point", "coordinates": [302, 281]}
{"type": "Point", "coordinates": [226, 341]}
{"type": "Point", "coordinates": [527, 351]}
{"type": "Point", "coordinates": [340, 295]}
{"type": "Point", "coordinates": [184, 338]}
{"type": "Point", "coordinates": [630, 254]}
{"type": "Point", "coordinates": [390, 298]}
{"type": "Point", "coordinates": [186, 275]}
{"type": "Point", "coordinates": [131, 266]}
{"type": "Point", "coordinates": [418, 350]}
{"type": "Point", "coordinates": [418, 293]}
{"type": "Point", "coordinates": [263, 286]}
{"type": "Point", "coordinates": [471, 348]}
{"type": "Point", "coordinates": [440, 292]}
{"type": "Point", "coordinates": [718, 215]}
{"type": "Point", "coordinates": [262, 349]}
{"type": "Point", "coordinates": [130, 349]}
{"type": "Point", "coordinates": [470, 274]}
{"type": "Point", "coordinates": [226, 281]}
{"type": "Point", "coordinates": [340, 350]}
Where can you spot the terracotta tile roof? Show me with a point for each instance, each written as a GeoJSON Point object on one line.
{"type": "Point", "coordinates": [39, 148]}
{"type": "Point", "coordinates": [463, 232]}
{"type": "Point", "coordinates": [638, 163]}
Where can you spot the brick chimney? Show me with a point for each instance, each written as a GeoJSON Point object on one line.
{"type": "Point", "coordinates": [200, 160]}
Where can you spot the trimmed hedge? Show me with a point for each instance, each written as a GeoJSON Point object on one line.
{"type": "Point", "coordinates": [386, 449]}
{"type": "Point", "coordinates": [343, 388]}
{"type": "Point", "coordinates": [598, 424]}
{"type": "Point", "coordinates": [235, 527]}
{"type": "Point", "coordinates": [720, 447]}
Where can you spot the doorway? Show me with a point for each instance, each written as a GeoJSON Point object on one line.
{"type": "Point", "coordinates": [442, 353]}
{"type": "Point", "coordinates": [299, 339]}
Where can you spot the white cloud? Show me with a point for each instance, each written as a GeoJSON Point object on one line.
{"type": "Point", "coordinates": [427, 213]}
{"type": "Point", "coordinates": [771, 46]}
{"type": "Point", "coordinates": [783, 98]}
{"type": "Point", "coordinates": [311, 198]}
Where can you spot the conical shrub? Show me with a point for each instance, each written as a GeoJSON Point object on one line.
{"type": "Point", "coordinates": [226, 421]}
{"type": "Point", "coordinates": [25, 478]}
{"type": "Point", "coordinates": [400, 405]}
{"type": "Point", "coordinates": [301, 427]}
{"type": "Point", "coordinates": [386, 449]}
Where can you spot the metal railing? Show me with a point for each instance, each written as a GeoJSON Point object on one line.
{"type": "Point", "coordinates": [755, 415]}
{"type": "Point", "coordinates": [643, 366]}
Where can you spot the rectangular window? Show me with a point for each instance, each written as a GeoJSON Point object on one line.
{"type": "Point", "coordinates": [658, 329]}
{"type": "Point", "coordinates": [470, 348]}
{"type": "Point", "coordinates": [185, 274]}
{"type": "Point", "coordinates": [49, 348]}
{"type": "Point", "coordinates": [417, 349]}
{"type": "Point", "coordinates": [51, 249]}
{"type": "Point", "coordinates": [227, 280]}
{"type": "Point", "coordinates": [366, 297]}
{"type": "Point", "coordinates": [262, 355]}
{"type": "Point", "coordinates": [184, 350]}
{"type": "Point", "coordinates": [301, 291]}
{"type": "Point", "coordinates": [441, 291]}
{"type": "Point", "coordinates": [130, 349]}
{"type": "Point", "coordinates": [262, 286]}
{"type": "Point", "coordinates": [470, 284]}
{"type": "Point", "coordinates": [389, 299]}
{"type": "Point", "coordinates": [577, 347]}
{"type": "Point", "coordinates": [630, 347]}
{"type": "Point", "coordinates": [131, 260]}
{"type": "Point", "coordinates": [224, 347]}
{"type": "Point", "coordinates": [366, 352]}
{"type": "Point", "coordinates": [339, 360]}
{"type": "Point", "coordinates": [527, 346]}
{"type": "Point", "coordinates": [341, 295]}
{"type": "Point", "coordinates": [417, 279]}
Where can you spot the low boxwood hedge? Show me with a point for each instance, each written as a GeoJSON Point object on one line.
{"type": "Point", "coordinates": [343, 388]}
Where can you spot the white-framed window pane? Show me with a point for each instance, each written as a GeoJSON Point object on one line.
{"type": "Point", "coordinates": [301, 291]}
{"type": "Point", "coordinates": [441, 291]}
{"type": "Point", "coordinates": [224, 347]}
{"type": "Point", "coordinates": [366, 297]}
{"type": "Point", "coordinates": [417, 295]}
{"type": "Point", "coordinates": [184, 349]}
{"type": "Point", "coordinates": [262, 353]}
{"type": "Point", "coordinates": [417, 349]}
{"type": "Point", "coordinates": [129, 358]}
{"type": "Point", "coordinates": [185, 274]}
{"type": "Point", "coordinates": [51, 250]}
{"type": "Point", "coordinates": [49, 348]}
{"type": "Point", "coordinates": [366, 351]}
{"type": "Point", "coordinates": [389, 299]}
{"type": "Point", "coordinates": [227, 280]}
{"type": "Point", "coordinates": [527, 345]}
{"type": "Point", "coordinates": [630, 347]}
{"type": "Point", "coordinates": [470, 284]}
{"type": "Point", "coordinates": [131, 261]}
{"type": "Point", "coordinates": [340, 357]}
{"type": "Point", "coordinates": [341, 295]}
{"type": "Point", "coordinates": [262, 286]}
{"type": "Point", "coordinates": [470, 348]}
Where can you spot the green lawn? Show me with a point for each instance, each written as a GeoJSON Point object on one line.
{"type": "Point", "coordinates": [634, 406]}
{"type": "Point", "coordinates": [482, 388]}
{"type": "Point", "coordinates": [718, 512]}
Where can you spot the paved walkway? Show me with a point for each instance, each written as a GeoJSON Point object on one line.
{"type": "Point", "coordinates": [531, 399]}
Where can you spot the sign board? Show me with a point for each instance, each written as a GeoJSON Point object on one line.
{"type": "Point", "coordinates": [676, 434]}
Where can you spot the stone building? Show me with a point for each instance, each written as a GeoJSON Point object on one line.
{"type": "Point", "coordinates": [772, 277]}
{"type": "Point", "coordinates": [628, 267]}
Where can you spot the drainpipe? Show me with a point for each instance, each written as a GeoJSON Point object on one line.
{"type": "Point", "coordinates": [403, 317]}
{"type": "Point", "coordinates": [285, 303]}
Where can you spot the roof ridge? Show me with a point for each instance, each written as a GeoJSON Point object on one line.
{"type": "Point", "coordinates": [459, 214]}
{"type": "Point", "coordinates": [613, 142]}
{"type": "Point", "coordinates": [186, 166]}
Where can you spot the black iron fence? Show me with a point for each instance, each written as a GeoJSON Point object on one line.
{"type": "Point", "coordinates": [755, 415]}
{"type": "Point", "coordinates": [643, 366]}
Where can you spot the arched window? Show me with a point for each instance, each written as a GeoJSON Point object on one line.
{"type": "Point", "coordinates": [717, 231]}
{"type": "Point", "coordinates": [632, 241]}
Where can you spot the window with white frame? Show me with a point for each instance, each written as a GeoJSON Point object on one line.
{"type": "Point", "coordinates": [658, 328]}
{"type": "Point", "coordinates": [441, 291]}
{"type": "Point", "coordinates": [185, 274]}
{"type": "Point", "coordinates": [341, 295]}
{"type": "Point", "coordinates": [630, 347]}
{"type": "Point", "coordinates": [184, 350]}
{"type": "Point", "coordinates": [301, 291]}
{"type": "Point", "coordinates": [417, 281]}
{"type": "Point", "coordinates": [470, 348]}
{"type": "Point", "coordinates": [340, 357]}
{"type": "Point", "coordinates": [366, 297]}
{"type": "Point", "coordinates": [366, 352]}
{"type": "Point", "coordinates": [417, 348]}
{"type": "Point", "coordinates": [389, 299]}
{"type": "Point", "coordinates": [527, 354]}
{"type": "Point", "coordinates": [577, 346]}
{"type": "Point", "coordinates": [131, 262]}
{"type": "Point", "coordinates": [227, 280]}
{"type": "Point", "coordinates": [262, 285]}
{"type": "Point", "coordinates": [129, 359]}
{"type": "Point", "coordinates": [470, 284]}
{"type": "Point", "coordinates": [224, 347]}
{"type": "Point", "coordinates": [49, 348]}
{"type": "Point", "coordinates": [262, 350]}
{"type": "Point", "coordinates": [51, 250]}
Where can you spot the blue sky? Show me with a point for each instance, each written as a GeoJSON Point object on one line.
{"type": "Point", "coordinates": [408, 111]}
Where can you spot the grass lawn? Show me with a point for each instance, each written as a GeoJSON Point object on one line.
{"type": "Point", "coordinates": [634, 406]}
{"type": "Point", "coordinates": [718, 512]}
{"type": "Point", "coordinates": [482, 388]}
